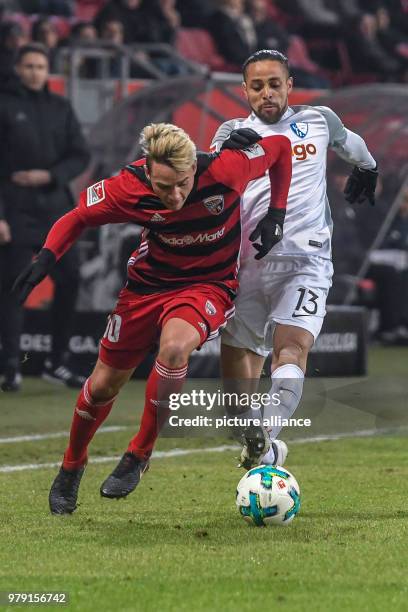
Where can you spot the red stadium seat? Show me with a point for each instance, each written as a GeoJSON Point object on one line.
{"type": "Point", "coordinates": [85, 10]}
{"type": "Point", "coordinates": [198, 46]}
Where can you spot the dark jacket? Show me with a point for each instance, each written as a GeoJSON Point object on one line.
{"type": "Point", "coordinates": [38, 130]}
{"type": "Point", "coordinates": [229, 39]}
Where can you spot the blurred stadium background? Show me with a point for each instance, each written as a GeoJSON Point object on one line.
{"type": "Point", "coordinates": [124, 63]}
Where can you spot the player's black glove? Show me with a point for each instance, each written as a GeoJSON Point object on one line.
{"type": "Point", "coordinates": [270, 229]}
{"type": "Point", "coordinates": [241, 139]}
{"type": "Point", "coordinates": [33, 274]}
{"type": "Point", "coordinates": [361, 185]}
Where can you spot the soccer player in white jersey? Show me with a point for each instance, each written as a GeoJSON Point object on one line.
{"type": "Point", "coordinates": [281, 301]}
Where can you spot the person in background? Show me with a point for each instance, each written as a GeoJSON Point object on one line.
{"type": "Point", "coordinates": [84, 34]}
{"type": "Point", "coordinates": [389, 271]}
{"type": "Point", "coordinates": [129, 13]}
{"type": "Point", "coordinates": [273, 36]}
{"type": "Point", "coordinates": [12, 37]}
{"type": "Point", "coordinates": [233, 31]}
{"type": "Point", "coordinates": [195, 13]}
{"type": "Point", "coordinates": [113, 32]}
{"type": "Point", "coordinates": [45, 32]}
{"type": "Point", "coordinates": [42, 150]}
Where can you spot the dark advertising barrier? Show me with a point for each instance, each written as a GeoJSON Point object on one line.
{"type": "Point", "coordinates": [340, 350]}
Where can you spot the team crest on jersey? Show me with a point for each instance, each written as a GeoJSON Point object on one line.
{"type": "Point", "coordinates": [214, 204]}
{"type": "Point", "coordinates": [210, 309]}
{"type": "Point", "coordinates": [95, 193]}
{"type": "Point", "coordinates": [300, 129]}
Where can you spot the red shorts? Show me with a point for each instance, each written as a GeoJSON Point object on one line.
{"type": "Point", "coordinates": [135, 325]}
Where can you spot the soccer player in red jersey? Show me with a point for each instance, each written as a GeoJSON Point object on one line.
{"type": "Point", "coordinates": [181, 280]}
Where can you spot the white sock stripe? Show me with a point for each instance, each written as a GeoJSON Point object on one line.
{"type": "Point", "coordinates": [170, 373]}
{"type": "Point", "coordinates": [169, 377]}
{"type": "Point", "coordinates": [171, 370]}
{"type": "Point", "coordinates": [178, 373]}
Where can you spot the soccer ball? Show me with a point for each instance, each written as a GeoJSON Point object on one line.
{"type": "Point", "coordinates": [268, 495]}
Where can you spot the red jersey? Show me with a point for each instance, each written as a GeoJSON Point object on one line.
{"type": "Point", "coordinates": [198, 243]}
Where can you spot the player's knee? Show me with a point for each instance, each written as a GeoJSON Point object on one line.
{"type": "Point", "coordinates": [103, 388]}
{"type": "Point", "coordinates": [293, 352]}
{"type": "Point", "coordinates": [174, 353]}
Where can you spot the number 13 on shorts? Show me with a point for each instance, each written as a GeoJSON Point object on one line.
{"type": "Point", "coordinates": [310, 302]}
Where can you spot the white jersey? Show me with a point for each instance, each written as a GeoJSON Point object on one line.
{"type": "Point", "coordinates": [308, 224]}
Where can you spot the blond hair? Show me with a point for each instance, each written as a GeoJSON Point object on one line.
{"type": "Point", "coordinates": [168, 144]}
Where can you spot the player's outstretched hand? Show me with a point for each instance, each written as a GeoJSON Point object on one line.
{"type": "Point", "coordinates": [361, 185]}
{"type": "Point", "coordinates": [33, 274]}
{"type": "Point", "coordinates": [241, 139]}
{"type": "Point", "coordinates": [270, 230]}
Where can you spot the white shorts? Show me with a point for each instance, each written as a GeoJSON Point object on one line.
{"type": "Point", "coordinates": [286, 290]}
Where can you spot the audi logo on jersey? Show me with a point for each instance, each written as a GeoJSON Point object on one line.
{"type": "Point", "coordinates": [189, 239]}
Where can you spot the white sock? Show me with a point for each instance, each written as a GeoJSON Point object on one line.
{"type": "Point", "coordinates": [287, 385]}
{"type": "Point", "coordinates": [269, 457]}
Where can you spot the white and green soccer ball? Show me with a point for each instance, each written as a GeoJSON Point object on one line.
{"type": "Point", "coordinates": [268, 495]}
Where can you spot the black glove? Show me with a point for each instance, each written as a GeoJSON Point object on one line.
{"type": "Point", "coordinates": [33, 274]}
{"type": "Point", "coordinates": [241, 139]}
{"type": "Point", "coordinates": [361, 185]}
{"type": "Point", "coordinates": [270, 229]}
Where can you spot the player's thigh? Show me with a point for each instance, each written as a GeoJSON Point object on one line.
{"type": "Point", "coordinates": [205, 307]}
{"type": "Point", "coordinates": [249, 326]}
{"type": "Point", "coordinates": [240, 363]}
{"type": "Point", "coordinates": [106, 381]}
{"type": "Point", "coordinates": [178, 338]}
{"type": "Point", "coordinates": [132, 327]}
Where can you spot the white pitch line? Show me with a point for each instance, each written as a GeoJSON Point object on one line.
{"type": "Point", "coordinates": [362, 433]}
{"type": "Point", "coordinates": [57, 434]}
{"type": "Point", "coordinates": [178, 452]}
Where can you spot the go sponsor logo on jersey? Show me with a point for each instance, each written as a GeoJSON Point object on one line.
{"type": "Point", "coordinates": [188, 240]}
{"type": "Point", "coordinates": [301, 151]}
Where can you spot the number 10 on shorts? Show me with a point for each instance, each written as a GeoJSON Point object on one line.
{"type": "Point", "coordinates": [112, 330]}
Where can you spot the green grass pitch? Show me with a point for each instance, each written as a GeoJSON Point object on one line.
{"type": "Point", "coordinates": [178, 542]}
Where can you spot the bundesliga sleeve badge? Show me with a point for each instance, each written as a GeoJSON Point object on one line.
{"type": "Point", "coordinates": [95, 193]}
